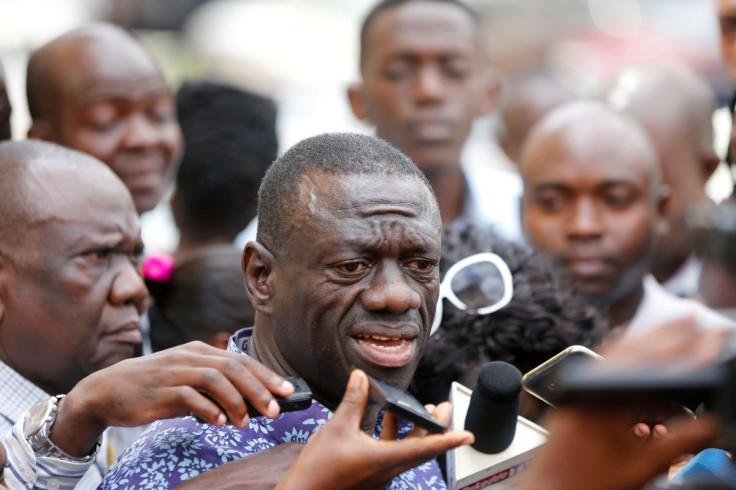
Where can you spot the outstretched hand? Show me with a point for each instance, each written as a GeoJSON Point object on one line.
{"type": "Point", "coordinates": [340, 455]}
{"type": "Point", "coordinates": [195, 378]}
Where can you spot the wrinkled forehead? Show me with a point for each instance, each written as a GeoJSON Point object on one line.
{"type": "Point", "coordinates": [337, 206]}
{"type": "Point", "coordinates": [85, 194]}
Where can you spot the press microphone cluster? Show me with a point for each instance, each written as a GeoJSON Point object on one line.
{"type": "Point", "coordinates": [505, 443]}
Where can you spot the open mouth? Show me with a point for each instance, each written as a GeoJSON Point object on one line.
{"type": "Point", "coordinates": [384, 350]}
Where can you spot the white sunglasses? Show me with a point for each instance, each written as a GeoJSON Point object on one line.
{"type": "Point", "coordinates": [479, 284]}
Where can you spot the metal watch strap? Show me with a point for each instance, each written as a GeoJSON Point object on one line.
{"type": "Point", "coordinates": [42, 444]}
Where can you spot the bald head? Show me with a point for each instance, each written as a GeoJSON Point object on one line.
{"type": "Point", "coordinates": [592, 200]}
{"type": "Point", "coordinates": [60, 68]}
{"type": "Point", "coordinates": [591, 131]}
{"type": "Point", "coordinates": [36, 175]}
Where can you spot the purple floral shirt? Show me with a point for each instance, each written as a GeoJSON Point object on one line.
{"type": "Point", "coordinates": [174, 450]}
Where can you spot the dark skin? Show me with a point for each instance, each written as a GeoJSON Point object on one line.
{"type": "Point", "coordinates": [423, 85]}
{"type": "Point", "coordinates": [597, 209]}
{"type": "Point", "coordinates": [169, 383]}
{"type": "Point", "coordinates": [81, 249]}
{"type": "Point", "coordinates": [110, 101]}
{"type": "Point", "coordinates": [361, 294]}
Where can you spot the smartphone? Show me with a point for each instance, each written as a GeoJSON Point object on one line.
{"type": "Point", "coordinates": [301, 399]}
{"type": "Point", "coordinates": [544, 380]}
{"type": "Point", "coordinates": [402, 404]}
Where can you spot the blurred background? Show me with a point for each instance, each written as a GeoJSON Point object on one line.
{"type": "Point", "coordinates": [304, 53]}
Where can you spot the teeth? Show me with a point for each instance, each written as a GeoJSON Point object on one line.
{"type": "Point", "coordinates": [401, 343]}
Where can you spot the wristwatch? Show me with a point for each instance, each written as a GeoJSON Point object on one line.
{"type": "Point", "coordinates": [37, 424]}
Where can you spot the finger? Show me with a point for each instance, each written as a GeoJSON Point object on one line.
{"type": "Point", "coordinates": [240, 372]}
{"type": "Point", "coordinates": [187, 400]}
{"type": "Point", "coordinates": [351, 409]}
{"type": "Point", "coordinates": [443, 413]}
{"type": "Point", "coordinates": [212, 382]}
{"type": "Point", "coordinates": [683, 439]}
{"type": "Point", "coordinates": [390, 429]}
{"type": "Point", "coordinates": [641, 431]}
{"type": "Point", "coordinates": [410, 453]}
{"type": "Point", "coordinates": [659, 431]}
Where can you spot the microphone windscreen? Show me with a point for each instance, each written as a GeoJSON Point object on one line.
{"type": "Point", "coordinates": [494, 407]}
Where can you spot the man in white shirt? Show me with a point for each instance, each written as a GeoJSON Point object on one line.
{"type": "Point", "coordinates": [598, 207]}
{"type": "Point", "coordinates": [424, 81]}
{"type": "Point", "coordinates": [71, 296]}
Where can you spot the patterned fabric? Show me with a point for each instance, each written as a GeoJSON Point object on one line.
{"type": "Point", "coordinates": [175, 450]}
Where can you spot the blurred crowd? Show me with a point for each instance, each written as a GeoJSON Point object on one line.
{"type": "Point", "coordinates": [171, 270]}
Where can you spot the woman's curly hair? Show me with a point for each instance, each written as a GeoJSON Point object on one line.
{"type": "Point", "coordinates": [542, 319]}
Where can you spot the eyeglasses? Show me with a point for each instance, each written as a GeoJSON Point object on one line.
{"type": "Point", "coordinates": [479, 284]}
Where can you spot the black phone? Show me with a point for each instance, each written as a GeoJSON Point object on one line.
{"type": "Point", "coordinates": [301, 399]}
{"type": "Point", "coordinates": [403, 404]}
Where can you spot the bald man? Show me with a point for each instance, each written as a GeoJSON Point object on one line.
{"type": "Point", "coordinates": [97, 90]}
{"type": "Point", "coordinates": [597, 207]}
{"type": "Point", "coordinates": [675, 106]}
{"type": "Point", "coordinates": [71, 297]}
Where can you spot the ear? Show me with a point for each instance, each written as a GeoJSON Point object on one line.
{"type": "Point", "coordinates": [490, 91]}
{"type": "Point", "coordinates": [662, 224]}
{"type": "Point", "coordinates": [357, 101]}
{"type": "Point", "coordinates": [41, 130]}
{"type": "Point", "coordinates": [257, 266]}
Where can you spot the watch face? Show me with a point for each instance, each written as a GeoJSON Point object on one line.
{"type": "Point", "coordinates": [36, 416]}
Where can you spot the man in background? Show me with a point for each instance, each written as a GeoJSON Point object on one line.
{"type": "Point", "coordinates": [424, 81]}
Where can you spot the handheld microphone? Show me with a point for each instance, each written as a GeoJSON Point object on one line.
{"type": "Point", "coordinates": [505, 442]}
{"type": "Point", "coordinates": [494, 407]}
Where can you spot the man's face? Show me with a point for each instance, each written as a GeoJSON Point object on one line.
{"type": "Point", "coordinates": [592, 208]}
{"type": "Point", "coordinates": [727, 20]}
{"type": "Point", "coordinates": [74, 294]}
{"type": "Point", "coordinates": [357, 280]}
{"type": "Point", "coordinates": [117, 107]}
{"type": "Point", "coordinates": [423, 83]}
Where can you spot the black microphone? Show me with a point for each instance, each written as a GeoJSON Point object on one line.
{"type": "Point", "coordinates": [494, 407]}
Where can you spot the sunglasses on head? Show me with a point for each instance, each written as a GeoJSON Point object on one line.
{"type": "Point", "coordinates": [479, 284]}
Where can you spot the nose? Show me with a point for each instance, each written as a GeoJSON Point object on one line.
{"type": "Point", "coordinates": [140, 132]}
{"type": "Point", "coordinates": [128, 287]}
{"type": "Point", "coordinates": [585, 222]}
{"type": "Point", "coordinates": [428, 85]}
{"type": "Point", "coordinates": [390, 291]}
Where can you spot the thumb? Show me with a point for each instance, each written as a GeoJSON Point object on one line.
{"type": "Point", "coordinates": [355, 399]}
